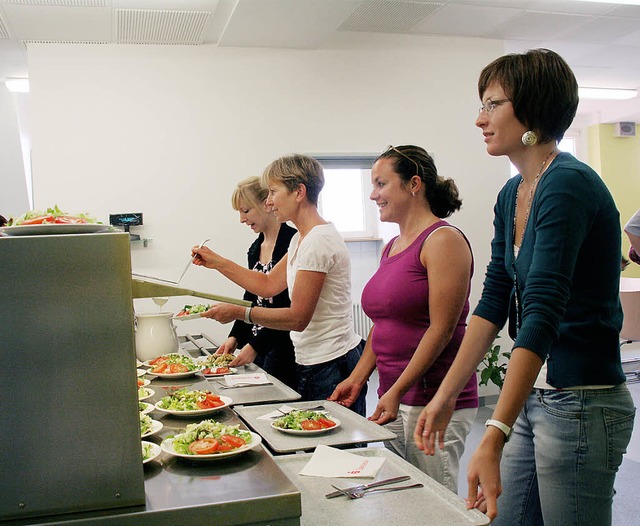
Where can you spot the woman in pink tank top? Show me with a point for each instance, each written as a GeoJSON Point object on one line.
{"type": "Point", "coordinates": [418, 301]}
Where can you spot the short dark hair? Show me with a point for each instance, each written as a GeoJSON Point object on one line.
{"type": "Point", "coordinates": [541, 87]}
{"type": "Point", "coordinates": [441, 194]}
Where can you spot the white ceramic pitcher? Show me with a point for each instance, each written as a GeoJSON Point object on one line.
{"type": "Point", "coordinates": [155, 335]}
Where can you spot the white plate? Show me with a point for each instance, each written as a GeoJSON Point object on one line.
{"type": "Point", "coordinates": [167, 447]}
{"type": "Point", "coordinates": [150, 393]}
{"type": "Point", "coordinates": [52, 228]}
{"type": "Point", "coordinates": [175, 375]}
{"type": "Point", "coordinates": [155, 427]}
{"type": "Point", "coordinates": [232, 370]}
{"type": "Point", "coordinates": [145, 382]}
{"type": "Point", "coordinates": [197, 412]}
{"type": "Point", "coordinates": [141, 372]}
{"type": "Point", "coordinates": [155, 451]}
{"type": "Point", "coordinates": [310, 432]}
{"type": "Point", "coordinates": [187, 317]}
{"type": "Point", "coordinates": [147, 408]}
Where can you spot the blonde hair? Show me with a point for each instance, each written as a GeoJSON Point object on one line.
{"type": "Point", "coordinates": [294, 170]}
{"type": "Point", "coordinates": [249, 191]}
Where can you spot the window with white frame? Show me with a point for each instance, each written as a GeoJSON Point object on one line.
{"type": "Point", "coordinates": [344, 199]}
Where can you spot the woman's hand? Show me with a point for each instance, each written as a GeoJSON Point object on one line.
{"type": "Point", "coordinates": [245, 356]}
{"type": "Point", "coordinates": [225, 312]}
{"type": "Point", "coordinates": [484, 473]}
{"type": "Point", "coordinates": [346, 392]}
{"type": "Point", "coordinates": [387, 409]}
{"type": "Point", "coordinates": [228, 346]}
{"type": "Point", "coordinates": [431, 425]}
{"type": "Point", "coordinates": [205, 257]}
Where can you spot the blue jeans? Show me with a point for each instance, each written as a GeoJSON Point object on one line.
{"type": "Point", "coordinates": [317, 382]}
{"type": "Point", "coordinates": [561, 462]}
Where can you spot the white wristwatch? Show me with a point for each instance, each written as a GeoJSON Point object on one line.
{"type": "Point", "coordinates": [502, 427]}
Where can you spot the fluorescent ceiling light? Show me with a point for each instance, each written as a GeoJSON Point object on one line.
{"type": "Point", "coordinates": [607, 93]}
{"type": "Point", "coordinates": [17, 85]}
{"type": "Point", "coordinates": [622, 2]}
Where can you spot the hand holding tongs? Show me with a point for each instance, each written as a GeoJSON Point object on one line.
{"type": "Point", "coordinates": [191, 260]}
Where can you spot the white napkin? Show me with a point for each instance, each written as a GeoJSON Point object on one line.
{"type": "Point", "coordinates": [276, 413]}
{"type": "Point", "coordinates": [331, 462]}
{"type": "Point", "coordinates": [254, 378]}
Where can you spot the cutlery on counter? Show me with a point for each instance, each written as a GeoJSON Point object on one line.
{"type": "Point", "coordinates": [285, 413]}
{"type": "Point", "coordinates": [362, 487]}
{"type": "Point", "coordinates": [221, 386]}
{"type": "Point", "coordinates": [360, 494]}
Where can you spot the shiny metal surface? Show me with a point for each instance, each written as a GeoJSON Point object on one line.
{"type": "Point", "coordinates": [69, 425]}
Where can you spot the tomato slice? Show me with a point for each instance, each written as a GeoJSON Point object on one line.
{"type": "Point", "coordinates": [310, 425]}
{"type": "Point", "coordinates": [159, 368]}
{"type": "Point", "coordinates": [326, 422]}
{"type": "Point", "coordinates": [209, 401]}
{"type": "Point", "coordinates": [178, 368]}
{"type": "Point", "coordinates": [204, 446]}
{"type": "Point", "coordinates": [38, 220]}
{"type": "Point", "coordinates": [224, 447]}
{"type": "Point", "coordinates": [159, 359]}
{"type": "Point", "coordinates": [69, 220]}
{"type": "Point", "coordinates": [233, 440]}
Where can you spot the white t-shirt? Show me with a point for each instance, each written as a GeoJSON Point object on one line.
{"type": "Point", "coordinates": [633, 225]}
{"type": "Point", "coordinates": [330, 332]}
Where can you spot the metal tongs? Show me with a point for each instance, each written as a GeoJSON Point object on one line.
{"type": "Point", "coordinates": [191, 260]}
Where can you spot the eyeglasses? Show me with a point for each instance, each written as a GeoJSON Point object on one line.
{"type": "Point", "coordinates": [393, 148]}
{"type": "Point", "coordinates": [490, 105]}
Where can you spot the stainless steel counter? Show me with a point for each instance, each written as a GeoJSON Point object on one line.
{"type": "Point", "coordinates": [246, 489]}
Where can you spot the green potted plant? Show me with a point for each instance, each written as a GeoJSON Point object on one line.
{"type": "Point", "coordinates": [491, 369]}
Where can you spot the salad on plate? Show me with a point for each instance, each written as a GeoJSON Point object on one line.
{"type": "Point", "coordinates": [210, 438]}
{"type": "Point", "coordinates": [301, 422]}
{"type": "Point", "coordinates": [50, 216]}
{"type": "Point", "coordinates": [172, 364]}
{"type": "Point", "coordinates": [149, 451]}
{"type": "Point", "coordinates": [184, 401]}
{"type": "Point", "coordinates": [192, 311]}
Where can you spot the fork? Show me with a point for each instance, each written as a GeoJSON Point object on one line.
{"type": "Point", "coordinates": [316, 408]}
{"type": "Point", "coordinates": [360, 494]}
{"type": "Point", "coordinates": [242, 385]}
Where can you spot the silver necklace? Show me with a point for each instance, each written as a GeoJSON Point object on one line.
{"type": "Point", "coordinates": [531, 192]}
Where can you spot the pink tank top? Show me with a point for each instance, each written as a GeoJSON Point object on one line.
{"type": "Point", "coordinates": [396, 298]}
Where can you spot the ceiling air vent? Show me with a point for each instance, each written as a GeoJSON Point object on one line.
{"type": "Point", "coordinates": [143, 26]}
{"type": "Point", "coordinates": [388, 16]}
{"type": "Point", "coordinates": [61, 3]}
{"type": "Point", "coordinates": [4, 32]}
{"type": "Point", "coordinates": [624, 129]}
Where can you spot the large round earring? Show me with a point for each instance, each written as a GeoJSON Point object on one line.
{"type": "Point", "coordinates": [529, 138]}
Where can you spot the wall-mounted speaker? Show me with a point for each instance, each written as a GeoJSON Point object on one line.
{"type": "Point", "coordinates": [624, 129]}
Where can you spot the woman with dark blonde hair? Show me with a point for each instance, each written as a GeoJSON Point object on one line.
{"type": "Point", "coordinates": [317, 273]}
{"type": "Point", "coordinates": [270, 349]}
{"type": "Point", "coordinates": [551, 450]}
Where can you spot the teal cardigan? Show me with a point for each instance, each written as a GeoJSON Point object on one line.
{"type": "Point", "coordinates": [568, 274]}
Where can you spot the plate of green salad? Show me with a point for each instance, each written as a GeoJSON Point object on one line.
{"type": "Point", "coordinates": [301, 422]}
{"type": "Point", "coordinates": [144, 393]}
{"type": "Point", "coordinates": [149, 426]}
{"type": "Point", "coordinates": [192, 403]}
{"type": "Point", "coordinates": [173, 366]}
{"type": "Point", "coordinates": [210, 440]}
{"type": "Point", "coordinates": [190, 312]}
{"type": "Point", "coordinates": [150, 451]}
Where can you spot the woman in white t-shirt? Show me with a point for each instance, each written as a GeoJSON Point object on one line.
{"type": "Point", "coordinates": [317, 273]}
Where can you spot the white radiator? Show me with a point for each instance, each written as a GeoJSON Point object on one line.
{"type": "Point", "coordinates": [361, 323]}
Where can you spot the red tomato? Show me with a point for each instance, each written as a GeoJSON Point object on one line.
{"type": "Point", "coordinates": [69, 220]}
{"type": "Point", "coordinates": [159, 368]}
{"type": "Point", "coordinates": [209, 402]}
{"type": "Point", "coordinates": [310, 425]}
{"type": "Point", "coordinates": [233, 440]}
{"type": "Point", "coordinates": [223, 447]}
{"type": "Point", "coordinates": [204, 446]}
{"type": "Point", "coordinates": [159, 359]}
{"type": "Point", "coordinates": [222, 370]}
{"type": "Point", "coordinates": [38, 220]}
{"type": "Point", "coordinates": [178, 368]}
{"type": "Point", "coordinates": [140, 382]}
{"type": "Point", "coordinates": [326, 422]}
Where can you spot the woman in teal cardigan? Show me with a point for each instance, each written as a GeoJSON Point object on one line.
{"type": "Point", "coordinates": [564, 417]}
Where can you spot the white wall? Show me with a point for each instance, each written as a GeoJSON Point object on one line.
{"type": "Point", "coordinates": [13, 187]}
{"type": "Point", "coordinates": [168, 131]}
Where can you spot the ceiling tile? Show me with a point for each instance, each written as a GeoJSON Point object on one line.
{"type": "Point", "coordinates": [147, 26]}
{"type": "Point", "coordinates": [469, 20]}
{"type": "Point", "coordinates": [534, 25]}
{"type": "Point", "coordinates": [603, 29]}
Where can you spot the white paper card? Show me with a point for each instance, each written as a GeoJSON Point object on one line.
{"type": "Point", "coordinates": [331, 462]}
{"type": "Point", "coordinates": [255, 378]}
{"type": "Point", "coordinates": [276, 413]}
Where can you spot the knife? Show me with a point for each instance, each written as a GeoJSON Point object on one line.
{"type": "Point", "coordinates": [362, 487]}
